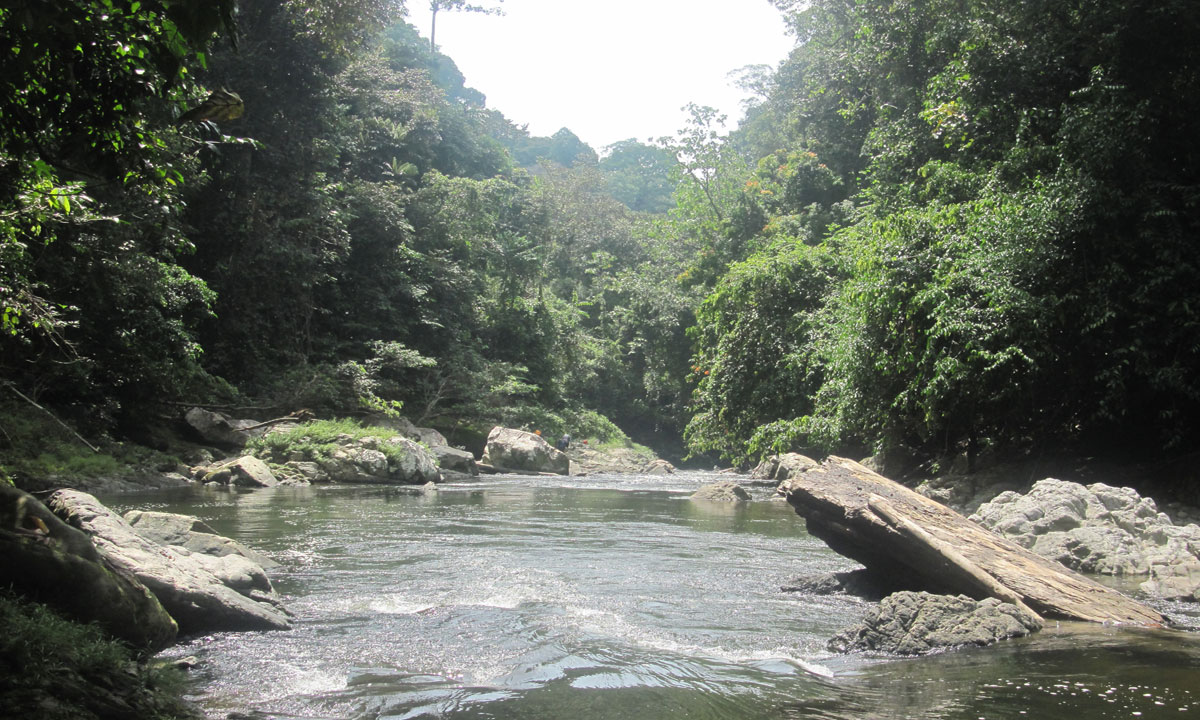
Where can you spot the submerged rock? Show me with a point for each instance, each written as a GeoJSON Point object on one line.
{"type": "Point", "coordinates": [918, 623]}
{"type": "Point", "coordinates": [1101, 529]}
{"type": "Point", "coordinates": [724, 491]}
{"type": "Point", "coordinates": [860, 583]}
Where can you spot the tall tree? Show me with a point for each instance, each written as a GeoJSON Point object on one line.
{"type": "Point", "coordinates": [436, 6]}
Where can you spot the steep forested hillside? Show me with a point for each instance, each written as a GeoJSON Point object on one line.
{"type": "Point", "coordinates": [980, 232]}
{"type": "Point", "coordinates": [351, 230]}
{"type": "Point", "coordinates": [946, 229]}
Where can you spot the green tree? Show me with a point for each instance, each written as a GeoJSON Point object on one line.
{"type": "Point", "coordinates": [639, 175]}
{"type": "Point", "coordinates": [95, 308]}
{"type": "Point", "coordinates": [754, 337]}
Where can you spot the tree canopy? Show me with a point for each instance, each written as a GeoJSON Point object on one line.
{"type": "Point", "coordinates": [942, 230]}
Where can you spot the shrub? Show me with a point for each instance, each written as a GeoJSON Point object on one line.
{"type": "Point", "coordinates": [56, 669]}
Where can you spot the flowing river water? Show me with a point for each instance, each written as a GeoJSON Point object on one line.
{"type": "Point", "coordinates": [602, 598]}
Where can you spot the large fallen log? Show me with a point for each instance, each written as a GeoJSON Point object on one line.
{"type": "Point", "coordinates": [911, 539]}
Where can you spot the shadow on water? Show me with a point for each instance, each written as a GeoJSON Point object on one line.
{"type": "Point", "coordinates": [1067, 671]}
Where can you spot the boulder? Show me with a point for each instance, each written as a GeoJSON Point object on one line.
{"type": "Point", "coordinates": [194, 597]}
{"type": "Point", "coordinates": [455, 460]}
{"type": "Point", "coordinates": [780, 467]}
{"type": "Point", "coordinates": [307, 470]}
{"type": "Point", "coordinates": [1100, 529]}
{"type": "Point", "coordinates": [619, 459]}
{"type": "Point", "coordinates": [246, 471]}
{"type": "Point", "coordinates": [233, 571]}
{"type": "Point", "coordinates": [191, 534]}
{"type": "Point", "coordinates": [396, 461]}
{"type": "Point", "coordinates": [918, 623]}
{"type": "Point", "coordinates": [428, 436]}
{"type": "Point", "coordinates": [659, 467]}
{"type": "Point", "coordinates": [51, 562]}
{"type": "Point", "coordinates": [405, 427]}
{"type": "Point", "coordinates": [519, 451]}
{"type": "Point", "coordinates": [1177, 581]}
{"type": "Point", "coordinates": [724, 491]}
{"type": "Point", "coordinates": [218, 429]}
{"type": "Point", "coordinates": [417, 466]}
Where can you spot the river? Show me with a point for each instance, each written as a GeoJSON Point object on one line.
{"type": "Point", "coordinates": [603, 598]}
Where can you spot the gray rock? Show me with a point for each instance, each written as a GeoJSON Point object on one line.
{"type": "Point", "coordinates": [428, 436]}
{"type": "Point", "coordinates": [191, 534]}
{"type": "Point", "coordinates": [54, 563]}
{"type": "Point", "coordinates": [918, 623]}
{"type": "Point", "coordinates": [587, 459]}
{"type": "Point", "coordinates": [395, 461]}
{"type": "Point", "coordinates": [1094, 549]}
{"type": "Point", "coordinates": [339, 466]}
{"type": "Point", "coordinates": [1100, 529]}
{"type": "Point", "coordinates": [310, 471]}
{"type": "Point", "coordinates": [455, 460]}
{"type": "Point", "coordinates": [369, 461]}
{"type": "Point", "coordinates": [194, 597]}
{"type": "Point", "coordinates": [246, 471]}
{"type": "Point", "coordinates": [780, 467]}
{"type": "Point", "coordinates": [724, 491]}
{"type": "Point", "coordinates": [417, 465]}
{"type": "Point", "coordinates": [659, 467]}
{"type": "Point", "coordinates": [233, 571]}
{"type": "Point", "coordinates": [405, 427]}
{"type": "Point", "coordinates": [218, 429]}
{"type": "Point", "coordinates": [517, 450]}
{"type": "Point", "coordinates": [860, 583]}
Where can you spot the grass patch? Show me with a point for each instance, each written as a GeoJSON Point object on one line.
{"type": "Point", "coordinates": [319, 439]}
{"type": "Point", "coordinates": [578, 422]}
{"type": "Point", "coordinates": [52, 668]}
{"type": "Point", "coordinates": [35, 448]}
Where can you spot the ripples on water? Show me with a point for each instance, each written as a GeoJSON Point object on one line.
{"type": "Point", "coordinates": [608, 597]}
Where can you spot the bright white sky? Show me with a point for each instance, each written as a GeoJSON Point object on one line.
{"type": "Point", "coordinates": [608, 69]}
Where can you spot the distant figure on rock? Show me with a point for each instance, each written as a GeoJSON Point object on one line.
{"type": "Point", "coordinates": [564, 442]}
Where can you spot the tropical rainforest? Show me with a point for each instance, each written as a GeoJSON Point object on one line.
{"type": "Point", "coordinates": [943, 229]}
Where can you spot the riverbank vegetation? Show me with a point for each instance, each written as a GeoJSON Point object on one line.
{"type": "Point", "coordinates": [943, 230]}
{"type": "Point", "coordinates": [56, 669]}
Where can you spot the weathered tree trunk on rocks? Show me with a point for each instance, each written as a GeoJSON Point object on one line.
{"type": "Point", "coordinates": [909, 539]}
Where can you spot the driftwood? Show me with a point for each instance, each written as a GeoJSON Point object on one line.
{"type": "Point", "coordinates": [299, 416]}
{"type": "Point", "coordinates": [911, 539]}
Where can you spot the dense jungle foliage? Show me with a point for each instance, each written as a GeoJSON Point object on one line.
{"type": "Point", "coordinates": [944, 228]}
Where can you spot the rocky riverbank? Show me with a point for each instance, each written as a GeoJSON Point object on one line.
{"type": "Point", "coordinates": [144, 579]}
{"type": "Point", "coordinates": [1097, 529]}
